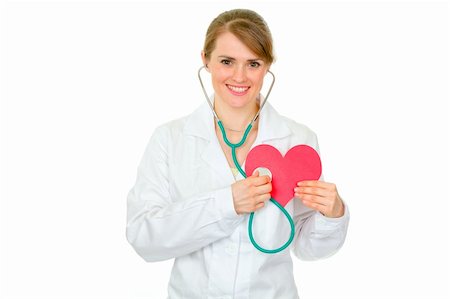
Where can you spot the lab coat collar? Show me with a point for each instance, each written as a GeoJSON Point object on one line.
{"type": "Point", "coordinates": [200, 124]}
{"type": "Point", "coordinates": [271, 124]}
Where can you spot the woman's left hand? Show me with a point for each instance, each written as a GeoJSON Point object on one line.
{"type": "Point", "coordinates": [320, 196]}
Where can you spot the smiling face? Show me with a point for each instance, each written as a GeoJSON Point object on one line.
{"type": "Point", "coordinates": [237, 73]}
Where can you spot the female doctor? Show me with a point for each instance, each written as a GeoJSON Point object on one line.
{"type": "Point", "coordinates": [190, 203]}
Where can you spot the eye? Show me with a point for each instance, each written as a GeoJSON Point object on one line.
{"type": "Point", "coordinates": [255, 64]}
{"type": "Point", "coordinates": [225, 61]}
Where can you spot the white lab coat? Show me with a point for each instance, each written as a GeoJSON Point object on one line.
{"type": "Point", "coordinates": [182, 207]}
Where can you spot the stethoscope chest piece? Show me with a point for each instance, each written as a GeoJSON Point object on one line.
{"type": "Point", "coordinates": [263, 171]}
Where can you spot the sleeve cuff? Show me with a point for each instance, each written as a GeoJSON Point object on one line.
{"type": "Point", "coordinates": [328, 222]}
{"type": "Point", "coordinates": [224, 199]}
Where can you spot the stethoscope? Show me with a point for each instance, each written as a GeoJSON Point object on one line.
{"type": "Point", "coordinates": [233, 147]}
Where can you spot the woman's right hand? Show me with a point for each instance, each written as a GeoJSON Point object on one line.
{"type": "Point", "coordinates": [250, 194]}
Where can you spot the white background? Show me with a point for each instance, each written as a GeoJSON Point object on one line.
{"type": "Point", "coordinates": [85, 83]}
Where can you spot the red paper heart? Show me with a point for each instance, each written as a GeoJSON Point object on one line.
{"type": "Point", "coordinates": [300, 163]}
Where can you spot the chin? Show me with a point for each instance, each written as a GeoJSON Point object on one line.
{"type": "Point", "coordinates": [239, 101]}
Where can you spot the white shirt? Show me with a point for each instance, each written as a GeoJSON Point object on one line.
{"type": "Point", "coordinates": [182, 207]}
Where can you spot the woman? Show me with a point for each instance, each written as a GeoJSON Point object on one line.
{"type": "Point", "coordinates": [189, 203]}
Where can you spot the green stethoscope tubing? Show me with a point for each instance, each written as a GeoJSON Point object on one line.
{"type": "Point", "coordinates": [233, 147]}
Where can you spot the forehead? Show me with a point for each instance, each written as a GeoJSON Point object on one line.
{"type": "Point", "coordinates": [227, 44]}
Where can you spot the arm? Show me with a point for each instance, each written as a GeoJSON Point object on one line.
{"type": "Point", "coordinates": [320, 216]}
{"type": "Point", "coordinates": [317, 236]}
{"type": "Point", "coordinates": [159, 227]}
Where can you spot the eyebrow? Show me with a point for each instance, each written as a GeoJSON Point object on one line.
{"type": "Point", "coordinates": [231, 58]}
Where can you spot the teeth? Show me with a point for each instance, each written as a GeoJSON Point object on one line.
{"type": "Point", "coordinates": [237, 89]}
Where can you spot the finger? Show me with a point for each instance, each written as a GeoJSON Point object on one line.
{"type": "Point", "coordinates": [260, 205]}
{"type": "Point", "coordinates": [262, 198]}
{"type": "Point", "coordinates": [261, 180]}
{"type": "Point", "coordinates": [315, 206]}
{"type": "Point", "coordinates": [264, 189]}
{"type": "Point", "coordinates": [313, 191]}
{"type": "Point", "coordinates": [309, 183]}
{"type": "Point", "coordinates": [314, 199]}
{"type": "Point", "coordinates": [317, 184]}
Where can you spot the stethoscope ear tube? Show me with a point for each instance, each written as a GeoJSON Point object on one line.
{"type": "Point", "coordinates": [233, 147]}
{"type": "Point", "coordinates": [266, 97]}
{"type": "Point", "coordinates": [205, 93]}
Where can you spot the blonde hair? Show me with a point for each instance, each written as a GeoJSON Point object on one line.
{"type": "Point", "coordinates": [248, 26]}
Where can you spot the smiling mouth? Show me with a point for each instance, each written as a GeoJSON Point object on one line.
{"type": "Point", "coordinates": [238, 90]}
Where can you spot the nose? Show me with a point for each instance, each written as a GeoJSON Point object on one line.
{"type": "Point", "coordinates": [239, 74]}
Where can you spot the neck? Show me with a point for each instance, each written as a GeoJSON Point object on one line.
{"type": "Point", "coordinates": [236, 119]}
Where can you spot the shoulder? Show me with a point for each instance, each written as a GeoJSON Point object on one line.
{"type": "Point", "coordinates": [172, 126]}
{"type": "Point", "coordinates": [297, 127]}
{"type": "Point", "coordinates": [161, 139]}
{"type": "Point", "coordinates": [170, 130]}
{"type": "Point", "coordinates": [193, 123]}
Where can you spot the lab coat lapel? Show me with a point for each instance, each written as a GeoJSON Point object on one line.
{"type": "Point", "coordinates": [200, 124]}
{"type": "Point", "coordinates": [271, 126]}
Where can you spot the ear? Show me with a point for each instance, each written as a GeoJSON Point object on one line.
{"type": "Point", "coordinates": [205, 60]}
